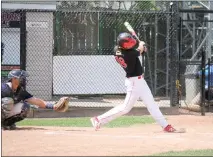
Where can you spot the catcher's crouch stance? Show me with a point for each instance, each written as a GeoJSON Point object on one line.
{"type": "Point", "coordinates": [15, 100]}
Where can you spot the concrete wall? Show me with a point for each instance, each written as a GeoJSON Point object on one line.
{"type": "Point", "coordinates": [39, 46]}
{"type": "Point", "coordinates": [95, 74]}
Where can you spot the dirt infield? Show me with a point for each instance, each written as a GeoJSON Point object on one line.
{"type": "Point", "coordinates": [133, 141]}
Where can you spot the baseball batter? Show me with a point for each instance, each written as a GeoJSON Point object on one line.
{"type": "Point", "coordinates": [127, 52]}
{"type": "Point", "coordinates": [15, 100]}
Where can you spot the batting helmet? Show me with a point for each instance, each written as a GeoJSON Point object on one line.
{"type": "Point", "coordinates": [126, 41]}
{"type": "Point", "coordinates": [19, 74]}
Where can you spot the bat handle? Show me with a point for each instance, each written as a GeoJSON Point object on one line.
{"type": "Point", "coordinates": [133, 33]}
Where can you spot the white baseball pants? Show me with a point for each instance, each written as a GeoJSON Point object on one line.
{"type": "Point", "coordinates": [136, 88]}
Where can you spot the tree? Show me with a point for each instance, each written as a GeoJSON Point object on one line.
{"type": "Point", "coordinates": [145, 5]}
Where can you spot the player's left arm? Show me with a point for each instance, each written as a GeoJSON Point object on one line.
{"type": "Point", "coordinates": [36, 101]}
{"type": "Point", "coordinates": [29, 98]}
{"type": "Point", "coordinates": [61, 106]}
{"type": "Point", "coordinates": [141, 47]}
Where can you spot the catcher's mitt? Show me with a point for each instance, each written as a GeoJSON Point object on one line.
{"type": "Point", "coordinates": [62, 105]}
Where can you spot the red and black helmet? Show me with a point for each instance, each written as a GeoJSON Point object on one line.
{"type": "Point", "coordinates": [126, 41]}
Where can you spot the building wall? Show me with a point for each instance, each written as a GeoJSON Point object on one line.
{"type": "Point", "coordinates": [39, 50]}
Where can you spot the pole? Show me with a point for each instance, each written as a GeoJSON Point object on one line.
{"type": "Point", "coordinates": [209, 80]}
{"type": "Point", "coordinates": [203, 83]}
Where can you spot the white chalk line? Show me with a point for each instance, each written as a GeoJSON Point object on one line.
{"type": "Point", "coordinates": [114, 136]}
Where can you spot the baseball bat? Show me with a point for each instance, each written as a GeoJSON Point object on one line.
{"type": "Point", "coordinates": [131, 30]}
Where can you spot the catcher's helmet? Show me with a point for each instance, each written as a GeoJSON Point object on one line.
{"type": "Point", "coordinates": [126, 41]}
{"type": "Point", "coordinates": [19, 74]}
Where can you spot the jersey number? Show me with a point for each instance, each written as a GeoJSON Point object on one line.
{"type": "Point", "coordinates": [121, 61]}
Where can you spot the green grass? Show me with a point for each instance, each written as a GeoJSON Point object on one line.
{"type": "Point", "coordinates": [123, 121]}
{"type": "Point", "coordinates": [205, 152]}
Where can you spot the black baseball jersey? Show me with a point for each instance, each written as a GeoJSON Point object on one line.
{"type": "Point", "coordinates": [129, 61]}
{"type": "Point", "coordinates": [19, 95]}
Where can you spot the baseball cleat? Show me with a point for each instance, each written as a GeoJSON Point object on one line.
{"type": "Point", "coordinates": [95, 123]}
{"type": "Point", "coordinates": [11, 127]}
{"type": "Point", "coordinates": [170, 129]}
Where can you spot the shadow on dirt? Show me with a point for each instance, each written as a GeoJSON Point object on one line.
{"type": "Point", "coordinates": [36, 128]}
{"type": "Point", "coordinates": [76, 130]}
{"type": "Point", "coordinates": [30, 128]}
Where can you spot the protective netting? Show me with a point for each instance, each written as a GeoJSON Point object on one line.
{"type": "Point", "coordinates": [91, 28]}
{"type": "Point", "coordinates": [68, 48]}
{"type": "Point", "coordinates": [190, 85]}
{"type": "Point", "coordinates": [10, 40]}
{"type": "Point", "coordinates": [195, 47]}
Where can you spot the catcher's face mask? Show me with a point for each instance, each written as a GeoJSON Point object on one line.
{"type": "Point", "coordinates": [23, 81]}
{"type": "Point", "coordinates": [19, 77]}
{"type": "Point", "coordinates": [23, 78]}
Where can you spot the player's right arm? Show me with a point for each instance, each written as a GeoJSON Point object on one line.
{"type": "Point", "coordinates": [141, 47]}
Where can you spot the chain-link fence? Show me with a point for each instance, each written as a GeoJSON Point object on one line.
{"type": "Point", "coordinates": [195, 48]}
{"type": "Point", "coordinates": [208, 91]}
{"type": "Point", "coordinates": [67, 47]}
{"type": "Point", "coordinates": [10, 41]}
{"type": "Point", "coordinates": [195, 85]}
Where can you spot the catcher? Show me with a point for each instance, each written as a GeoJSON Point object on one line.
{"type": "Point", "coordinates": [15, 100]}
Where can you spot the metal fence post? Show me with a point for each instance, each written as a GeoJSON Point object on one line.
{"type": "Point", "coordinates": [174, 56]}
{"type": "Point", "coordinates": [203, 83]}
{"type": "Point", "coordinates": [209, 80]}
{"type": "Point", "coordinates": [23, 36]}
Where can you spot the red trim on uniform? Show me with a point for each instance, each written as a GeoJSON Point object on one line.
{"type": "Point", "coordinates": [139, 77]}
{"type": "Point", "coordinates": [96, 118]}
